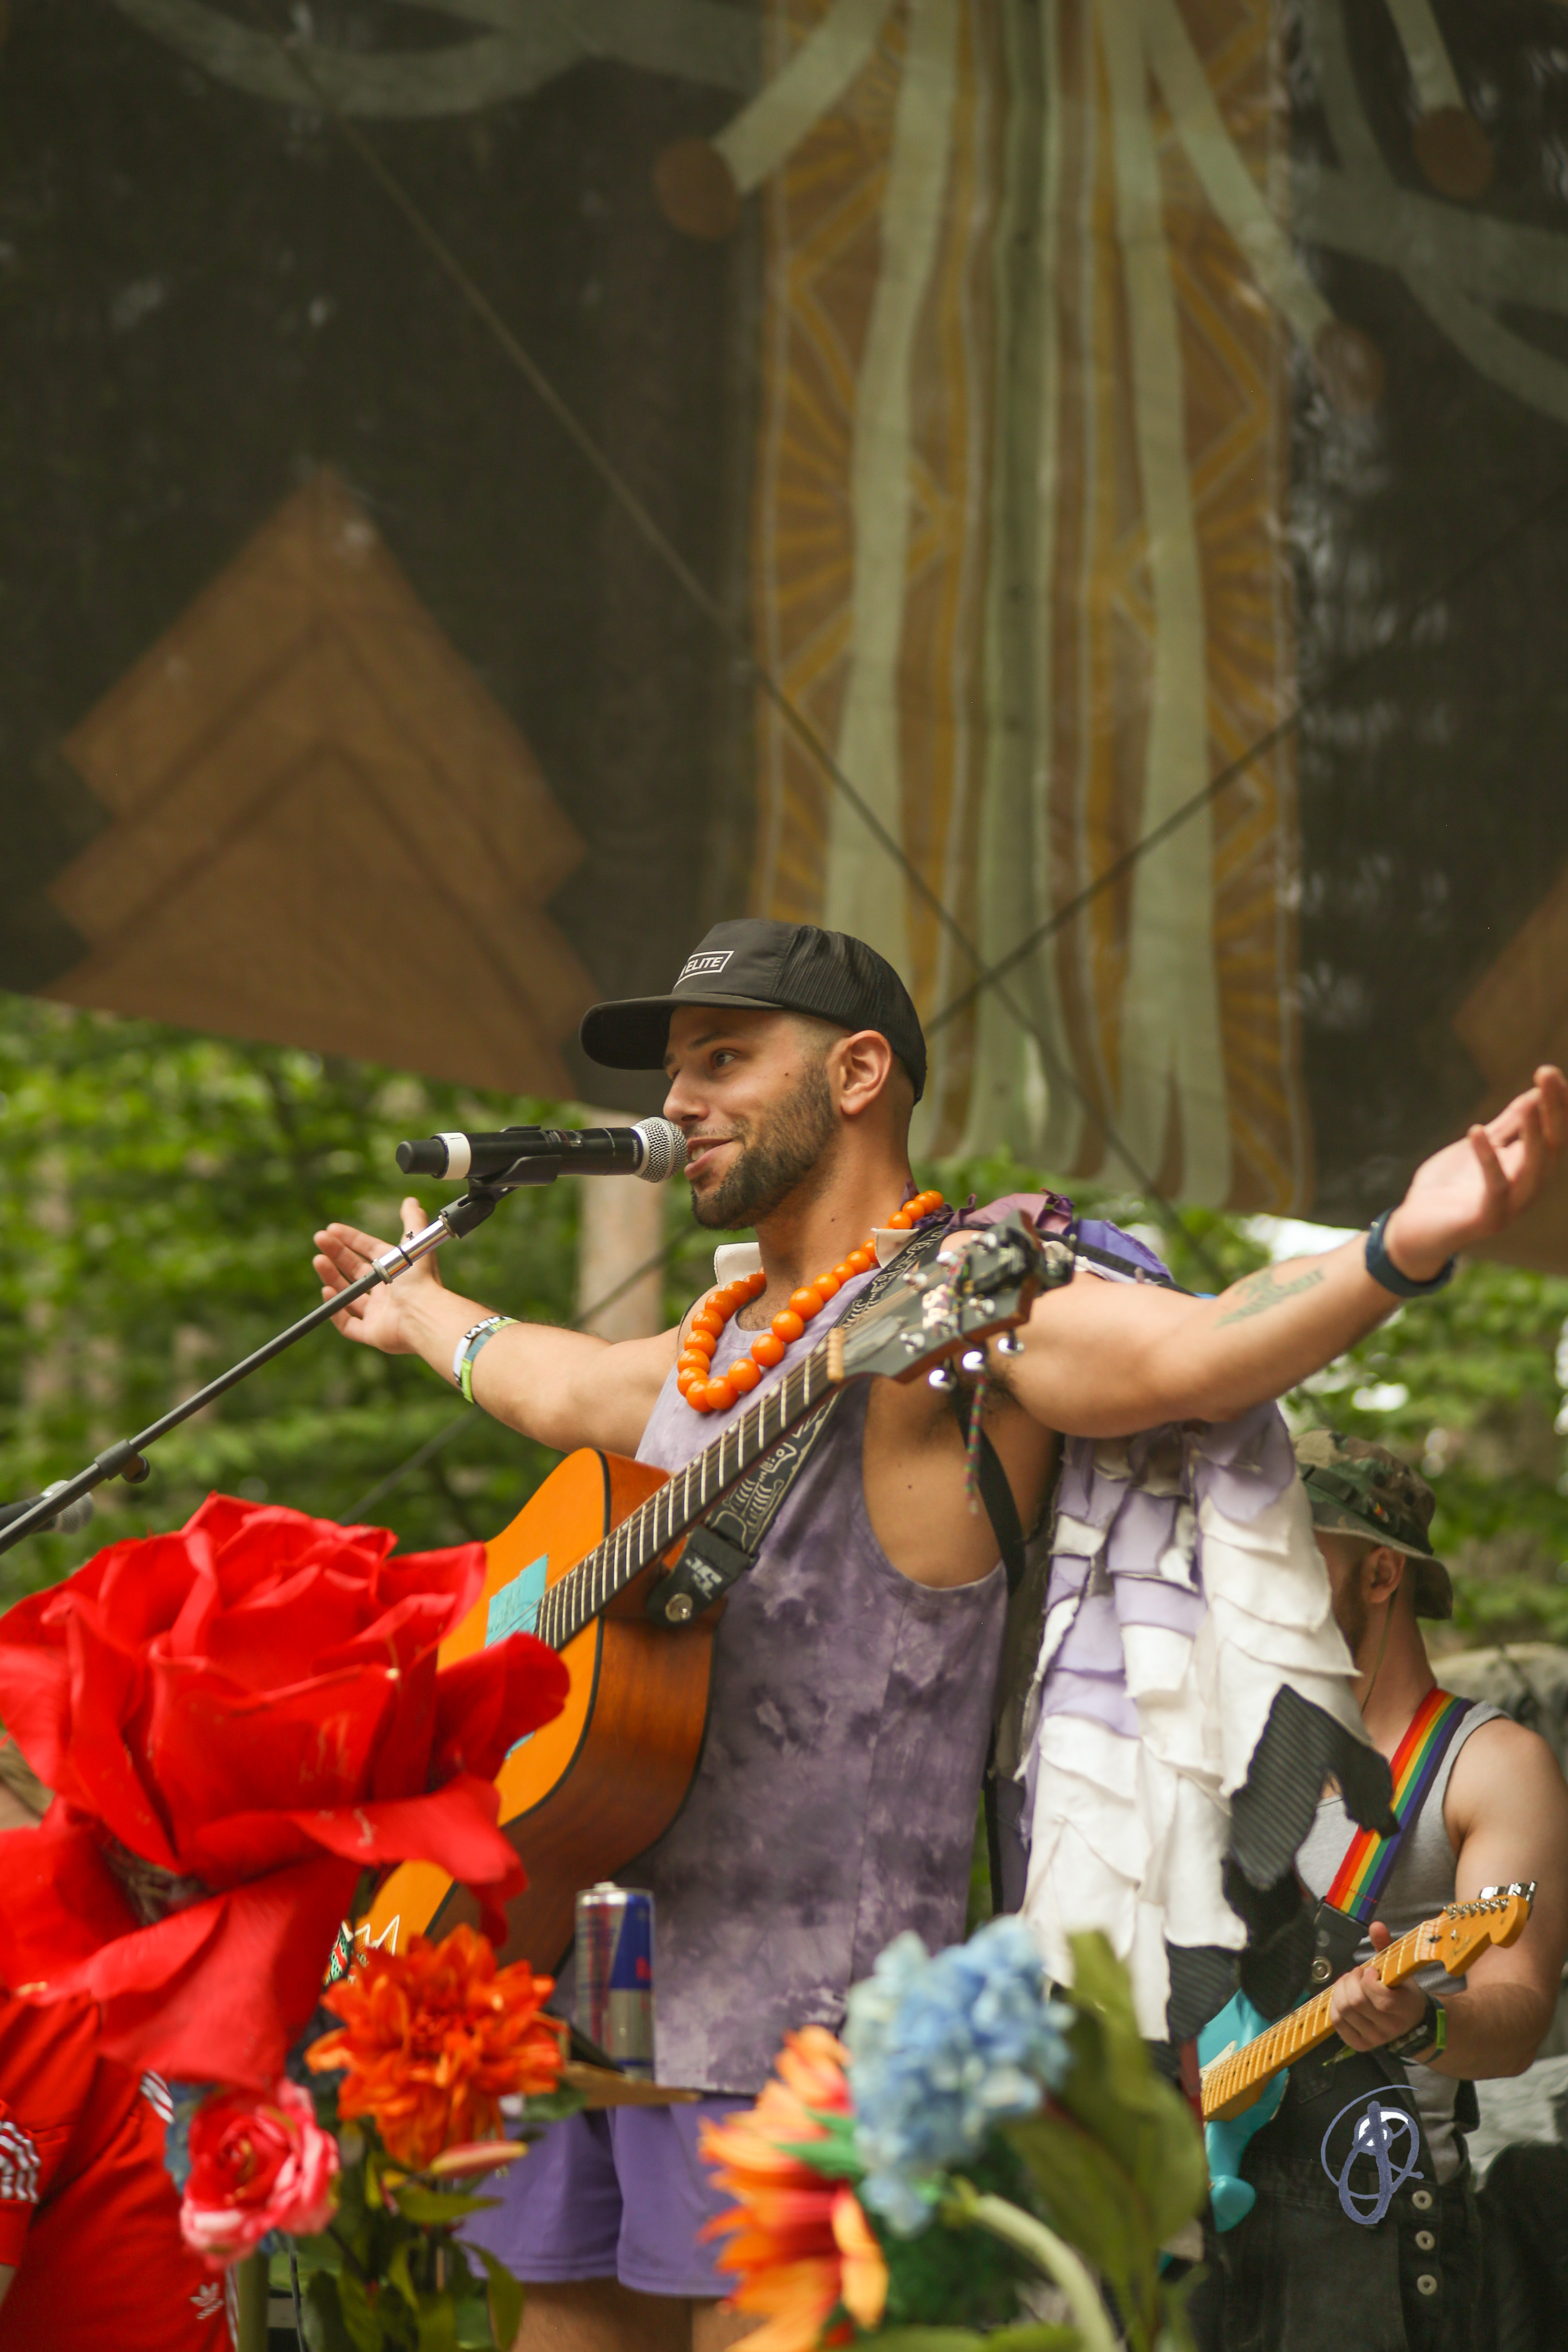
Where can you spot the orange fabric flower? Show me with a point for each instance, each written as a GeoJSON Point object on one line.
{"type": "Point", "coordinates": [434, 2038]}
{"type": "Point", "coordinates": [800, 2244]}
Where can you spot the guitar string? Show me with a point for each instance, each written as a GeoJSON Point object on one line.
{"type": "Point", "coordinates": [561, 1615]}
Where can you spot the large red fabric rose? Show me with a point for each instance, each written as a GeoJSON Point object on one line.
{"type": "Point", "coordinates": [252, 1706]}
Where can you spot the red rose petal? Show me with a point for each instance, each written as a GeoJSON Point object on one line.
{"type": "Point", "coordinates": [230, 2011]}
{"type": "Point", "coordinates": [34, 1686]}
{"type": "Point", "coordinates": [60, 1902]}
{"type": "Point", "coordinates": [459, 1572]}
{"type": "Point", "coordinates": [486, 1702]}
{"type": "Point", "coordinates": [215, 1749]}
{"type": "Point", "coordinates": [397, 1637]}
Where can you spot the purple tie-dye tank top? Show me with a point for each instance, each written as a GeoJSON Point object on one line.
{"type": "Point", "coordinates": [836, 1798]}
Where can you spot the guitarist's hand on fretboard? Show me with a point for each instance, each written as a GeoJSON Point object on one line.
{"type": "Point", "coordinates": [1366, 2011]}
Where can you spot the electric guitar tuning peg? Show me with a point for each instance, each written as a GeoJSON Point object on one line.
{"type": "Point", "coordinates": [943, 1379]}
{"type": "Point", "coordinates": [1009, 1344]}
{"type": "Point", "coordinates": [974, 1360]}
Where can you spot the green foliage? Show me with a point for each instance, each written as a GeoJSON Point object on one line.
{"type": "Point", "coordinates": [1117, 2160]}
{"type": "Point", "coordinates": [951, 2271]}
{"type": "Point", "coordinates": [158, 1195]}
{"type": "Point", "coordinates": [387, 2275]}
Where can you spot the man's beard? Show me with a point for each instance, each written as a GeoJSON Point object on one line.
{"type": "Point", "coordinates": [777, 1153]}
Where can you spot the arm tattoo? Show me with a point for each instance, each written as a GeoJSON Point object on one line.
{"type": "Point", "coordinates": [1264, 1289]}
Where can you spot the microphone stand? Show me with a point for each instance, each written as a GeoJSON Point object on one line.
{"type": "Point", "coordinates": [126, 1459]}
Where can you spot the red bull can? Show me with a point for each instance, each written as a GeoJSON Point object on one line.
{"type": "Point", "coordinates": [615, 1974]}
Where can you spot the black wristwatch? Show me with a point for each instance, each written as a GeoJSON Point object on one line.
{"type": "Point", "coordinates": [1426, 2039]}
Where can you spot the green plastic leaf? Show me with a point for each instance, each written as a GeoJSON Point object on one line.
{"type": "Point", "coordinates": [1115, 2093]}
{"type": "Point", "coordinates": [432, 2207]}
{"type": "Point", "coordinates": [361, 2319]}
{"type": "Point", "coordinates": [438, 2324]}
{"type": "Point", "coordinates": [929, 2340]}
{"type": "Point", "coordinates": [835, 2159]}
{"type": "Point", "coordinates": [1033, 2338]}
{"type": "Point", "coordinates": [397, 2276]}
{"type": "Point", "coordinates": [1089, 2200]}
{"type": "Point", "coordinates": [550, 2107]}
{"type": "Point", "coordinates": [505, 2299]}
{"type": "Point", "coordinates": [324, 2328]}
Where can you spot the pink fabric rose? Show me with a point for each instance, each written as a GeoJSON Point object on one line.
{"type": "Point", "coordinates": [257, 2164]}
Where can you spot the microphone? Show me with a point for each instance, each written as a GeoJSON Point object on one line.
{"type": "Point", "coordinates": [68, 1522]}
{"type": "Point", "coordinates": [652, 1150]}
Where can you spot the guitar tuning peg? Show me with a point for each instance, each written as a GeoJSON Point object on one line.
{"type": "Point", "coordinates": [943, 1379]}
{"type": "Point", "coordinates": [974, 1360]}
{"type": "Point", "coordinates": [1009, 1344]}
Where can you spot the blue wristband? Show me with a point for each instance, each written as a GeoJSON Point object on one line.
{"type": "Point", "coordinates": [1386, 1275]}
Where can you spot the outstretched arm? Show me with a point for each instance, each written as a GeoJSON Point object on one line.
{"type": "Point", "coordinates": [1103, 1360]}
{"type": "Point", "coordinates": [564, 1388]}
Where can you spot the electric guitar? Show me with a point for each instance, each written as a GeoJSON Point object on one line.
{"type": "Point", "coordinates": [584, 1562]}
{"type": "Point", "coordinates": [1243, 2083]}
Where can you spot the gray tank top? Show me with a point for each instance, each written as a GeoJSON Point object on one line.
{"type": "Point", "coordinates": [1419, 1885]}
{"type": "Point", "coordinates": [835, 1802]}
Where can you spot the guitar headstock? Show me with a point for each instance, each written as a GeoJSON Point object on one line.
{"type": "Point", "coordinates": [942, 1308]}
{"type": "Point", "coordinates": [1495, 1916]}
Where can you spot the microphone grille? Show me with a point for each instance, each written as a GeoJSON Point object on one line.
{"type": "Point", "coordinates": [663, 1149]}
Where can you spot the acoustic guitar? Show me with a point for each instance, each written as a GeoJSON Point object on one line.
{"type": "Point", "coordinates": [579, 1568]}
{"type": "Point", "coordinates": [1243, 2083]}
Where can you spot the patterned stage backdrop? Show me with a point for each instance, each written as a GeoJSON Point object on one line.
{"type": "Point", "coordinates": [1018, 550]}
{"type": "Point", "coordinates": [1109, 420]}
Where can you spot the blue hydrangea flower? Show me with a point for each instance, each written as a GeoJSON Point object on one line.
{"type": "Point", "coordinates": [942, 2049]}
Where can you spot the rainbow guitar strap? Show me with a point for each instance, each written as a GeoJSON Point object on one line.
{"type": "Point", "coordinates": [1341, 1920]}
{"type": "Point", "coordinates": [1358, 1884]}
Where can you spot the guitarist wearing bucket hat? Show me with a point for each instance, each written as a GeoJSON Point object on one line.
{"type": "Point", "coordinates": [1360, 2174]}
{"type": "Point", "coordinates": [857, 1662]}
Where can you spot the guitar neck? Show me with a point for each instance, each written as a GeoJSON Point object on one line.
{"type": "Point", "coordinates": [574, 1600]}
{"type": "Point", "coordinates": [1301, 2030]}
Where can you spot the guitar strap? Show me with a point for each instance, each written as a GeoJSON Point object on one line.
{"type": "Point", "coordinates": [726, 1540]}
{"type": "Point", "coordinates": [1357, 1886]}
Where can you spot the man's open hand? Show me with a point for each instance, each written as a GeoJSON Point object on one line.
{"type": "Point", "coordinates": [1482, 1183]}
{"type": "Point", "coordinates": [377, 1320]}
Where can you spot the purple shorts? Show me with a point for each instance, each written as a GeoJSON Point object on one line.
{"type": "Point", "coordinates": [617, 2195]}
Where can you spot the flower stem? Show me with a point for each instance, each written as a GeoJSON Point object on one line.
{"type": "Point", "coordinates": [1056, 2258]}
{"type": "Point", "coordinates": [250, 2297]}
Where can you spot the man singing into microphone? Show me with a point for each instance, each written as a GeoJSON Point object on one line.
{"type": "Point", "coordinates": [857, 1664]}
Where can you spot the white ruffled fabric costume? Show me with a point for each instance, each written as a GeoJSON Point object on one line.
{"type": "Point", "coordinates": [1185, 1593]}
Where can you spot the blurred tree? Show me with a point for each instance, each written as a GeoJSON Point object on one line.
{"type": "Point", "coordinates": [159, 1194]}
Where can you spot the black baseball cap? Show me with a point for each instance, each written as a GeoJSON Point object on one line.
{"type": "Point", "coordinates": [768, 968]}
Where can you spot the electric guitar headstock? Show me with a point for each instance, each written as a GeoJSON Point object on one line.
{"type": "Point", "coordinates": [944, 1308]}
{"type": "Point", "coordinates": [1459, 1934]}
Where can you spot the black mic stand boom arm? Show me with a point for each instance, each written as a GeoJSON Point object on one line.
{"type": "Point", "coordinates": [126, 1459]}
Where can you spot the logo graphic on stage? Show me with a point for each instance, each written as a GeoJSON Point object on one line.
{"type": "Point", "coordinates": [1371, 2159]}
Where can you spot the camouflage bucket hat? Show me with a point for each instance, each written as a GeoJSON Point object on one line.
{"type": "Point", "coordinates": [1357, 1488]}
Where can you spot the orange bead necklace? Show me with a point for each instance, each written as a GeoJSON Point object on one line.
{"type": "Point", "coordinates": [705, 1395]}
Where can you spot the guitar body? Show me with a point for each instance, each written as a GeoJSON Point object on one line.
{"type": "Point", "coordinates": [1231, 2198]}
{"type": "Point", "coordinates": [582, 1797]}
